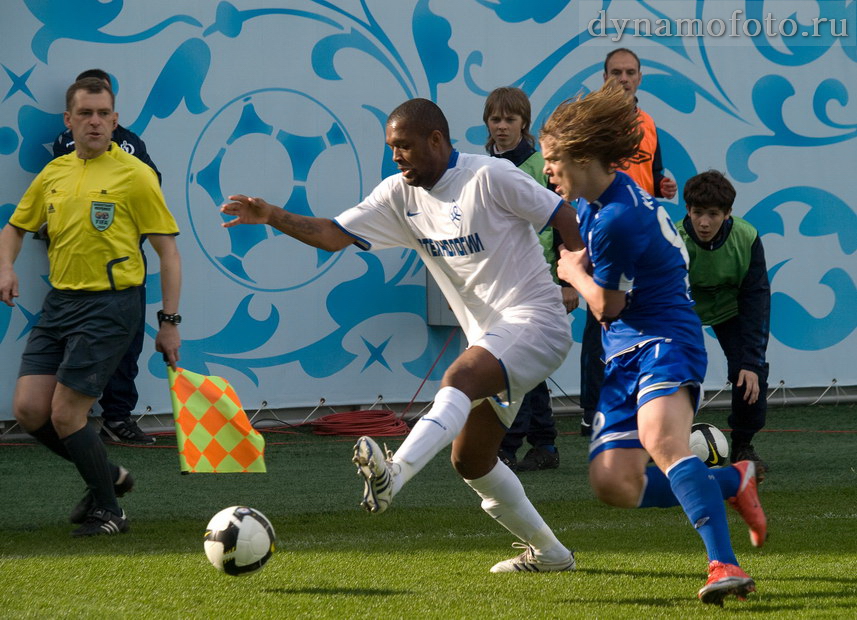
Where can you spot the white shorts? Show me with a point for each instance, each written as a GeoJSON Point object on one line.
{"type": "Point", "coordinates": [529, 348]}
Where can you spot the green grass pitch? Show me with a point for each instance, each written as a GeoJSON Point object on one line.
{"type": "Point", "coordinates": [429, 555]}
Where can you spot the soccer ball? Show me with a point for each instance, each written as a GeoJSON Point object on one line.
{"type": "Point", "coordinates": [239, 540]}
{"type": "Point", "coordinates": [709, 444]}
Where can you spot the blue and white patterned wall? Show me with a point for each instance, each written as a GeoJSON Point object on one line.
{"type": "Point", "coordinates": [287, 100]}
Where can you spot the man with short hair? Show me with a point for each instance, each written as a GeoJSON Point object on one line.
{"type": "Point", "coordinates": [98, 203]}
{"type": "Point", "coordinates": [127, 140]}
{"type": "Point", "coordinates": [120, 394]}
{"type": "Point", "coordinates": [473, 221]}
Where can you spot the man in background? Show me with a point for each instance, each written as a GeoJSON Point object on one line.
{"type": "Point", "coordinates": [508, 118]}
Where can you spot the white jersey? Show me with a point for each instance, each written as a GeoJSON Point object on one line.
{"type": "Point", "coordinates": [474, 230]}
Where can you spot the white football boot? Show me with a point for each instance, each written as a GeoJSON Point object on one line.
{"type": "Point", "coordinates": [528, 562]}
{"type": "Point", "coordinates": [377, 471]}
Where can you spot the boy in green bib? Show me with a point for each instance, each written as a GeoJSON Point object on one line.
{"type": "Point", "coordinates": [729, 282]}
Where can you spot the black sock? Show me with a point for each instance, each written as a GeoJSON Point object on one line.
{"type": "Point", "coordinates": [89, 455]}
{"type": "Point", "coordinates": [47, 436]}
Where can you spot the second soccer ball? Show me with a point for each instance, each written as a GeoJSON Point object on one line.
{"type": "Point", "coordinates": [709, 443]}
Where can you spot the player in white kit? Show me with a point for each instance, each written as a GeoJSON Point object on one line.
{"type": "Point", "coordinates": [473, 220]}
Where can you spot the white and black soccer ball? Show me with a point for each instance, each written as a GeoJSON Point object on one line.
{"type": "Point", "coordinates": [239, 540]}
{"type": "Point", "coordinates": [709, 443]}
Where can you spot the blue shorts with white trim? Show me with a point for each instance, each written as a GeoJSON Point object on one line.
{"type": "Point", "coordinates": [657, 368]}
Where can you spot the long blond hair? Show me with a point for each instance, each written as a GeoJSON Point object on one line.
{"type": "Point", "coordinates": [601, 126]}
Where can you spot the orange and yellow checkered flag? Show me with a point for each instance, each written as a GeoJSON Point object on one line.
{"type": "Point", "coordinates": [213, 433]}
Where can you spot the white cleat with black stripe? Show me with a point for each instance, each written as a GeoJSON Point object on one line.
{"type": "Point", "coordinates": [528, 562]}
{"type": "Point", "coordinates": [375, 469]}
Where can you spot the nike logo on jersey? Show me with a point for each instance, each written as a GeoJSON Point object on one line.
{"type": "Point", "coordinates": [412, 213]}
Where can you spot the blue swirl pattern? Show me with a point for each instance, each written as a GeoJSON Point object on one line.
{"type": "Point", "coordinates": [364, 315]}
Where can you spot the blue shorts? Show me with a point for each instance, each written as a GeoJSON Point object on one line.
{"type": "Point", "coordinates": [656, 368]}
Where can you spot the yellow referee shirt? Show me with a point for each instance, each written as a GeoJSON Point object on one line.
{"type": "Point", "coordinates": [97, 210]}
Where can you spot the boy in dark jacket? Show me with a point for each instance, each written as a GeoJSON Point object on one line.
{"type": "Point", "coordinates": [729, 282]}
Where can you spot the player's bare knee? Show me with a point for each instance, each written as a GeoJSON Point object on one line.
{"type": "Point", "coordinates": [618, 495]}
{"type": "Point", "coordinates": [28, 414]}
{"type": "Point", "coordinates": [472, 468]}
{"type": "Point", "coordinates": [620, 491]}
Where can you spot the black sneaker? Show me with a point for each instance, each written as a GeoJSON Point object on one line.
{"type": "Point", "coordinates": [102, 522]}
{"type": "Point", "coordinates": [126, 431]}
{"type": "Point", "coordinates": [746, 452]}
{"type": "Point", "coordinates": [123, 485]}
{"type": "Point", "coordinates": [510, 461]}
{"type": "Point", "coordinates": [538, 458]}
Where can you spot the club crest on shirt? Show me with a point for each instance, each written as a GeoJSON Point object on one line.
{"type": "Point", "coordinates": [101, 214]}
{"type": "Point", "coordinates": [455, 214]}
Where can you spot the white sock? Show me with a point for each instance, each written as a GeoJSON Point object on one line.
{"type": "Point", "coordinates": [503, 498]}
{"type": "Point", "coordinates": [431, 434]}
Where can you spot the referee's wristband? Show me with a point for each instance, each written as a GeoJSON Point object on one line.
{"type": "Point", "coordinates": [175, 319]}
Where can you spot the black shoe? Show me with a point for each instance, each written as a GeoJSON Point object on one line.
{"type": "Point", "coordinates": [538, 458]}
{"type": "Point", "coordinates": [746, 452]}
{"type": "Point", "coordinates": [126, 431]}
{"type": "Point", "coordinates": [586, 423]}
{"type": "Point", "coordinates": [123, 485]}
{"type": "Point", "coordinates": [102, 522]}
{"type": "Point", "coordinates": [510, 461]}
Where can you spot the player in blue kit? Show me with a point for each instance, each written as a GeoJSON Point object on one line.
{"type": "Point", "coordinates": [633, 274]}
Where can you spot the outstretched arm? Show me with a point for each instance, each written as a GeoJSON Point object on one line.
{"type": "Point", "coordinates": [315, 231]}
{"type": "Point", "coordinates": [11, 239]}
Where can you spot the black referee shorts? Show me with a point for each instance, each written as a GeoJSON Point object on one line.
{"type": "Point", "coordinates": [81, 336]}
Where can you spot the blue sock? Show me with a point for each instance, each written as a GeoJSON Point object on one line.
{"type": "Point", "coordinates": [701, 498]}
{"type": "Point", "coordinates": [658, 492]}
{"type": "Point", "coordinates": [729, 480]}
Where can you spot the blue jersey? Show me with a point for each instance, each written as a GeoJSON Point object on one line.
{"type": "Point", "coordinates": [635, 248]}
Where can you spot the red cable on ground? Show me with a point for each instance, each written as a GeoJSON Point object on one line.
{"type": "Point", "coordinates": [375, 422]}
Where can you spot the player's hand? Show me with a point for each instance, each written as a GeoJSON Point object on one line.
{"type": "Point", "coordinates": [571, 264]}
{"type": "Point", "coordinates": [168, 342]}
{"type": "Point", "coordinates": [8, 287]}
{"type": "Point", "coordinates": [668, 188]}
{"type": "Point", "coordinates": [750, 381]}
{"type": "Point", "coordinates": [246, 210]}
{"type": "Point", "coordinates": [570, 298]}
